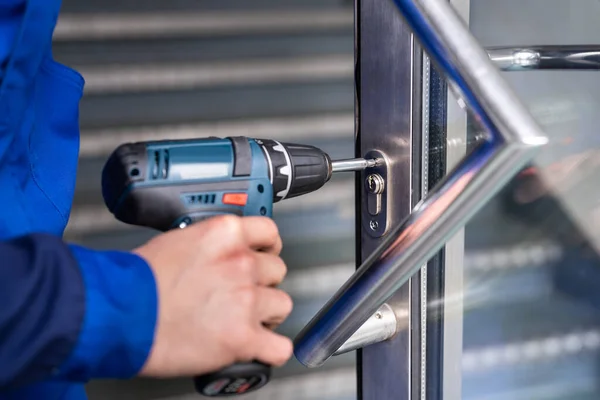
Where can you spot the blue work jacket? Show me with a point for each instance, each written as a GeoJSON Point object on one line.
{"type": "Point", "coordinates": [67, 314]}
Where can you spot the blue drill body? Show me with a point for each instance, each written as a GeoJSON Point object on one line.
{"type": "Point", "coordinates": [210, 163]}
{"type": "Point", "coordinates": [169, 184]}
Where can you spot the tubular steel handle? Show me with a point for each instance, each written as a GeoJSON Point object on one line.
{"type": "Point", "coordinates": [561, 57]}
{"type": "Point", "coordinates": [514, 138]}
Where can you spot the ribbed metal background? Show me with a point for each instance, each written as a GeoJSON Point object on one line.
{"type": "Point", "coordinates": [279, 69]}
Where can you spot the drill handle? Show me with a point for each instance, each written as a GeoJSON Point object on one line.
{"type": "Point", "coordinates": [236, 379]}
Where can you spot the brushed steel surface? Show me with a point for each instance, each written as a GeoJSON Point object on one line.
{"type": "Point", "coordinates": [383, 56]}
{"type": "Point", "coordinates": [384, 84]}
{"type": "Point", "coordinates": [514, 138]}
{"type": "Point", "coordinates": [380, 327]}
{"type": "Point", "coordinates": [375, 218]}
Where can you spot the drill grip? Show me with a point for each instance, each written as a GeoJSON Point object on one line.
{"type": "Point", "coordinates": [237, 379]}
{"type": "Point", "coordinates": [234, 380]}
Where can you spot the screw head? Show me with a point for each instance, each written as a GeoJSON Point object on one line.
{"type": "Point", "coordinates": [374, 225]}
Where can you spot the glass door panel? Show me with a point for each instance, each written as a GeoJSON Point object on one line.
{"type": "Point", "coordinates": [531, 268]}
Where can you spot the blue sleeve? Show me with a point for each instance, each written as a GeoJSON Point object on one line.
{"type": "Point", "coordinates": [41, 307]}
{"type": "Point", "coordinates": [120, 317]}
{"type": "Point", "coordinates": [72, 314]}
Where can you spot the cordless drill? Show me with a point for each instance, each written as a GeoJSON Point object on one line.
{"type": "Point", "coordinates": [171, 184]}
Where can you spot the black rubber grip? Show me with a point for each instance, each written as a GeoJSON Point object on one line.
{"type": "Point", "coordinates": [242, 156]}
{"type": "Point", "coordinates": [311, 169]}
{"type": "Point", "coordinates": [235, 380]}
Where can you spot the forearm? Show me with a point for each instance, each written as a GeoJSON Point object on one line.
{"type": "Point", "coordinates": [72, 314]}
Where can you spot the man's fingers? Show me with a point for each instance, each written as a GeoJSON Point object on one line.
{"type": "Point", "coordinates": [272, 305]}
{"type": "Point", "coordinates": [261, 233]}
{"type": "Point", "coordinates": [270, 269]}
{"type": "Point", "coordinates": [274, 349]}
{"type": "Point", "coordinates": [231, 232]}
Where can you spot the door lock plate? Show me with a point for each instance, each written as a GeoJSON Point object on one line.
{"type": "Point", "coordinates": [375, 220]}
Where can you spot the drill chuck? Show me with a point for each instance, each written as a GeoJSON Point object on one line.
{"type": "Point", "coordinates": [295, 169]}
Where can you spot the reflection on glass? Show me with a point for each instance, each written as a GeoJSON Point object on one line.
{"type": "Point", "coordinates": [531, 295]}
{"type": "Point", "coordinates": [532, 283]}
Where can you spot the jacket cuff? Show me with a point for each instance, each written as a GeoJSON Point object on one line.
{"type": "Point", "coordinates": [120, 316]}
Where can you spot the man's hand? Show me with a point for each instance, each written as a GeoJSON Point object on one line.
{"type": "Point", "coordinates": [216, 294]}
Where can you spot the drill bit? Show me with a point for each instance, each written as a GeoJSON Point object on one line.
{"type": "Point", "coordinates": [353, 164]}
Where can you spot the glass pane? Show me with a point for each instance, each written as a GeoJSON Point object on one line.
{"type": "Point", "coordinates": [531, 283]}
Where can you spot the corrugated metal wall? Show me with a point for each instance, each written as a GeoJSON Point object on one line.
{"type": "Point", "coordinates": [280, 69]}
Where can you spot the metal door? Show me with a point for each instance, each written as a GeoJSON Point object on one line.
{"type": "Point", "coordinates": [478, 270]}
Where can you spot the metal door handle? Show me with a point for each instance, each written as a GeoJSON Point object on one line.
{"type": "Point", "coordinates": [577, 57]}
{"type": "Point", "coordinates": [514, 137]}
